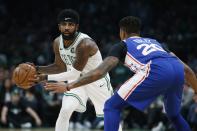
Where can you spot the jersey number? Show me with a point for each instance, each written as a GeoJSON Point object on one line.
{"type": "Point", "coordinates": [149, 48]}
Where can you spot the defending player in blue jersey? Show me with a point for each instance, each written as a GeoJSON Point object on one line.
{"type": "Point", "coordinates": [157, 72]}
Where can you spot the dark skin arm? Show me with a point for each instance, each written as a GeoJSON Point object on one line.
{"type": "Point", "coordinates": [84, 50]}
{"type": "Point", "coordinates": [58, 66]}
{"type": "Point", "coordinates": [87, 78]}
{"type": "Point", "coordinates": [96, 74]}
{"type": "Point", "coordinates": [190, 76]}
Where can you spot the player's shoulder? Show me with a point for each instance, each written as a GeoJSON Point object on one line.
{"type": "Point", "coordinates": [84, 35]}
{"type": "Point", "coordinates": [120, 45]}
{"type": "Point", "coordinates": [56, 41]}
{"type": "Point", "coordinates": [86, 41]}
{"type": "Point", "coordinates": [88, 44]}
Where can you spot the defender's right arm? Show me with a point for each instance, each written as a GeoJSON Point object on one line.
{"type": "Point", "coordinates": [58, 66]}
{"type": "Point", "coordinates": [190, 76]}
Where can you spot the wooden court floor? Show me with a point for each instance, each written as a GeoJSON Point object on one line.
{"type": "Point", "coordinates": [52, 129]}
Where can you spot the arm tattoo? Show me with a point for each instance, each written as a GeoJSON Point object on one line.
{"type": "Point", "coordinates": [97, 73]}
{"type": "Point", "coordinates": [83, 52]}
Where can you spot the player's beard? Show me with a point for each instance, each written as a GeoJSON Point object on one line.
{"type": "Point", "coordinates": [69, 37]}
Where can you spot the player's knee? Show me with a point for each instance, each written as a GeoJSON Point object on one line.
{"type": "Point", "coordinates": [108, 105]}
{"type": "Point", "coordinates": [66, 111]}
{"type": "Point", "coordinates": [114, 103]}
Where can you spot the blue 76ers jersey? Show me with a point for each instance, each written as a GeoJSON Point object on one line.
{"type": "Point", "coordinates": [141, 51]}
{"type": "Point", "coordinates": [156, 73]}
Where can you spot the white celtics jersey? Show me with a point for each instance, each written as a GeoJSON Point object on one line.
{"type": "Point", "coordinates": [99, 91]}
{"type": "Point", "coordinates": [68, 54]}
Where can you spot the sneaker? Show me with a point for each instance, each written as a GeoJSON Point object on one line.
{"type": "Point", "coordinates": [159, 127]}
{"type": "Point", "coordinates": [100, 125]}
{"type": "Point", "coordinates": [71, 125]}
{"type": "Point", "coordinates": [26, 125]}
{"type": "Point", "coordinates": [79, 125]}
{"type": "Point", "coordinates": [87, 124]}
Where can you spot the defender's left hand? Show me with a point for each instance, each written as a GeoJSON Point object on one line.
{"type": "Point", "coordinates": [56, 87]}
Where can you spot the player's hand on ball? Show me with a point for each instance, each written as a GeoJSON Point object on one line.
{"type": "Point", "coordinates": [21, 75]}
{"type": "Point", "coordinates": [57, 87]}
{"type": "Point", "coordinates": [38, 78]}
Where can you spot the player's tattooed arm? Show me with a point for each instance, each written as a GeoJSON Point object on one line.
{"type": "Point", "coordinates": [84, 50]}
{"type": "Point", "coordinates": [87, 78]}
{"type": "Point", "coordinates": [58, 66]}
{"type": "Point", "coordinates": [190, 77]}
{"type": "Point", "coordinates": [97, 73]}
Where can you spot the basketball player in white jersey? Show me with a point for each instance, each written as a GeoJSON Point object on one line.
{"type": "Point", "coordinates": [75, 53]}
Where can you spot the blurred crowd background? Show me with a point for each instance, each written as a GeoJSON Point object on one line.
{"type": "Point", "coordinates": [28, 27]}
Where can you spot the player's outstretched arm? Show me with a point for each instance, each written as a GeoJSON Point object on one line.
{"type": "Point", "coordinates": [97, 73]}
{"type": "Point", "coordinates": [190, 77]}
{"type": "Point", "coordinates": [117, 53]}
{"type": "Point", "coordinates": [87, 78]}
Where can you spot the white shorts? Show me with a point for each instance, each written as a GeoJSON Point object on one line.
{"type": "Point", "coordinates": [98, 92]}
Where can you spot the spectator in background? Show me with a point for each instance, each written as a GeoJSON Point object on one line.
{"type": "Point", "coordinates": [31, 99]}
{"type": "Point", "coordinates": [192, 115]}
{"type": "Point", "coordinates": [3, 60]}
{"type": "Point", "coordinates": [17, 114]}
{"type": "Point", "coordinates": [5, 93]}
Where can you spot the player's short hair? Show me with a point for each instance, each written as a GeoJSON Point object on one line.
{"type": "Point", "coordinates": [130, 24]}
{"type": "Point", "coordinates": [69, 15]}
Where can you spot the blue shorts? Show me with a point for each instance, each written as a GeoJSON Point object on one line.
{"type": "Point", "coordinates": [164, 76]}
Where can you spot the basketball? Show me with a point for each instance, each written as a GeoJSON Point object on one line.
{"type": "Point", "coordinates": [22, 73]}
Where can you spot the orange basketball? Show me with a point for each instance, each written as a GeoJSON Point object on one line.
{"type": "Point", "coordinates": [22, 73]}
